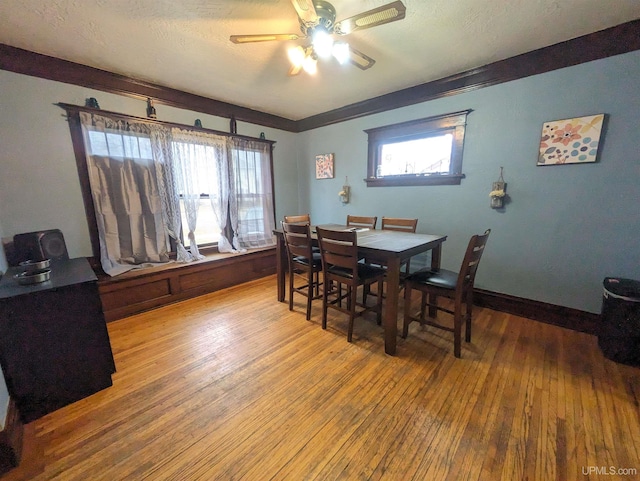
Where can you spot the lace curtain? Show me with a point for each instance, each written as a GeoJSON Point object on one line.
{"type": "Point", "coordinates": [251, 202]}
{"type": "Point", "coordinates": [201, 167]}
{"type": "Point", "coordinates": [161, 146]}
{"type": "Point", "coordinates": [128, 204]}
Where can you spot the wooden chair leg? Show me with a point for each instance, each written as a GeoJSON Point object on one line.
{"type": "Point", "coordinates": [433, 306]}
{"type": "Point", "coordinates": [310, 289]}
{"type": "Point", "coordinates": [423, 306]}
{"type": "Point", "coordinates": [291, 276]}
{"type": "Point", "coordinates": [457, 328]}
{"type": "Point", "coordinates": [467, 336]}
{"type": "Point", "coordinates": [325, 301]}
{"type": "Point", "coordinates": [353, 299]}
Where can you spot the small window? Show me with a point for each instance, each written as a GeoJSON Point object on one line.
{"type": "Point", "coordinates": [419, 152]}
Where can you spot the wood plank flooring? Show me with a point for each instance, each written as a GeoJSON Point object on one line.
{"type": "Point", "coordinates": [232, 385]}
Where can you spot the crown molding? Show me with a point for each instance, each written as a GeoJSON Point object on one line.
{"type": "Point", "coordinates": [51, 68]}
{"type": "Point", "coordinates": [616, 40]}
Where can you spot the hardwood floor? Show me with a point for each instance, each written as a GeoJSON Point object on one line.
{"type": "Point", "coordinates": [231, 385]}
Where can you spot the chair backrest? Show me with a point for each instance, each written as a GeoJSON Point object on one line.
{"type": "Point", "coordinates": [475, 249]}
{"type": "Point", "coordinates": [297, 238]}
{"type": "Point", "coordinates": [298, 219]}
{"type": "Point", "coordinates": [399, 224]}
{"type": "Point", "coordinates": [338, 248]}
{"type": "Point", "coordinates": [359, 221]}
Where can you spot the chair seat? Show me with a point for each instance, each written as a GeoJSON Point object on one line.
{"type": "Point", "coordinates": [365, 271]}
{"type": "Point", "coordinates": [316, 261]}
{"type": "Point", "coordinates": [453, 285]}
{"type": "Point", "coordinates": [441, 278]}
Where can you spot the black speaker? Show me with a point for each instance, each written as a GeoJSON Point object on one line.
{"type": "Point", "coordinates": [40, 245]}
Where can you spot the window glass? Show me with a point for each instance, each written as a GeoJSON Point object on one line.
{"type": "Point", "coordinates": [119, 145]}
{"type": "Point", "coordinates": [207, 229]}
{"type": "Point", "coordinates": [204, 176]}
{"type": "Point", "coordinates": [419, 152]}
{"type": "Point", "coordinates": [248, 171]}
{"type": "Point", "coordinates": [431, 155]}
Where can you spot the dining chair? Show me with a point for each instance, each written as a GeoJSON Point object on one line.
{"type": "Point", "coordinates": [303, 261]}
{"type": "Point", "coordinates": [362, 222]}
{"type": "Point", "coordinates": [401, 225]}
{"type": "Point", "coordinates": [340, 266]}
{"type": "Point", "coordinates": [457, 286]}
{"type": "Point", "coordinates": [298, 219]}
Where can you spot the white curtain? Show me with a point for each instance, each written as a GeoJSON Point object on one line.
{"type": "Point", "coordinates": [161, 147]}
{"type": "Point", "coordinates": [124, 187]}
{"type": "Point", "coordinates": [220, 195]}
{"type": "Point", "coordinates": [251, 201]}
{"type": "Point", "coordinates": [200, 168]}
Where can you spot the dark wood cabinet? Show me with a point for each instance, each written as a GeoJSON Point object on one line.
{"type": "Point", "coordinates": [54, 344]}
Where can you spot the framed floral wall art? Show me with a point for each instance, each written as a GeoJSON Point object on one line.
{"type": "Point", "coordinates": [570, 141]}
{"type": "Point", "coordinates": [324, 166]}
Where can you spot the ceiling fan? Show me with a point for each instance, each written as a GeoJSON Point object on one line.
{"type": "Point", "coordinates": [317, 22]}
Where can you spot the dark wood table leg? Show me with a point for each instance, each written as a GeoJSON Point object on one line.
{"type": "Point", "coordinates": [391, 306]}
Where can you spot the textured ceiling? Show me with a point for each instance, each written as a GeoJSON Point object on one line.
{"type": "Point", "coordinates": [185, 44]}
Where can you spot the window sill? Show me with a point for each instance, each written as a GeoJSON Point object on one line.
{"type": "Point", "coordinates": [409, 180]}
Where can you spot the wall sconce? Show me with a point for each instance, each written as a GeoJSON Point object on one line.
{"type": "Point", "coordinates": [498, 192]}
{"type": "Point", "coordinates": [345, 193]}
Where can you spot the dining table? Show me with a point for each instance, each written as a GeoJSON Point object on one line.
{"type": "Point", "coordinates": [384, 247]}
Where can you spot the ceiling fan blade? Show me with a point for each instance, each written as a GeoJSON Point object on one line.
{"type": "Point", "coordinates": [371, 18]}
{"type": "Point", "coordinates": [306, 11]}
{"type": "Point", "coordinates": [360, 60]}
{"type": "Point", "coordinates": [267, 37]}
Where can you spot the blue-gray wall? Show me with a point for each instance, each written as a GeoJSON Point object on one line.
{"type": "Point", "coordinates": [565, 228]}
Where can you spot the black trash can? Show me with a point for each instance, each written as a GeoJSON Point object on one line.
{"type": "Point", "coordinates": [619, 337]}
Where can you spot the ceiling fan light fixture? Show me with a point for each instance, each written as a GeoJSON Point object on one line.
{"type": "Point", "coordinates": [341, 52]}
{"type": "Point", "coordinates": [310, 65]}
{"type": "Point", "coordinates": [317, 19]}
{"type": "Point", "coordinates": [296, 56]}
{"type": "Point", "coordinates": [322, 42]}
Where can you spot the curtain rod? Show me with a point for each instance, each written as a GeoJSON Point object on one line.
{"type": "Point", "coordinates": [70, 108]}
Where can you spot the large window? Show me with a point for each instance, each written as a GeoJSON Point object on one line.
{"type": "Point", "coordinates": [198, 189]}
{"type": "Point", "coordinates": [249, 190]}
{"type": "Point", "coordinates": [151, 187]}
{"type": "Point", "coordinates": [420, 152]}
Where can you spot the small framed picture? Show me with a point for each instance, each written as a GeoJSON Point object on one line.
{"type": "Point", "coordinates": [324, 166]}
{"type": "Point", "coordinates": [570, 141]}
